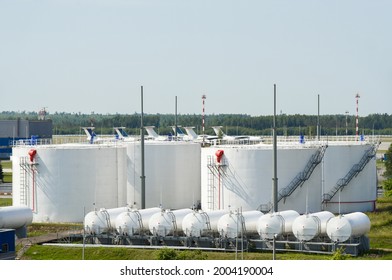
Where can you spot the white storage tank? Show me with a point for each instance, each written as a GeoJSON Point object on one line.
{"type": "Point", "coordinates": [342, 227]}
{"type": "Point", "coordinates": [102, 220]}
{"type": "Point", "coordinates": [134, 221]}
{"type": "Point", "coordinates": [167, 222]}
{"type": "Point", "coordinates": [64, 181]}
{"type": "Point", "coordinates": [14, 217]}
{"type": "Point", "coordinates": [199, 223]}
{"type": "Point", "coordinates": [234, 224]}
{"type": "Point", "coordinates": [172, 174]}
{"type": "Point", "coordinates": [242, 177]}
{"type": "Point", "coordinates": [308, 226]}
{"type": "Point", "coordinates": [276, 224]}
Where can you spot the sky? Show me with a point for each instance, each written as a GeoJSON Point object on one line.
{"type": "Point", "coordinates": [95, 55]}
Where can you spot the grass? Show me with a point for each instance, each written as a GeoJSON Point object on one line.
{"type": "Point", "coordinates": [5, 202]}
{"type": "Point", "coordinates": [380, 234]}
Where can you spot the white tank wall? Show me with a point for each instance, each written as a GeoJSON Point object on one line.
{"type": "Point", "coordinates": [253, 171]}
{"type": "Point", "coordinates": [172, 171]}
{"type": "Point", "coordinates": [361, 193]}
{"type": "Point", "coordinates": [71, 180]}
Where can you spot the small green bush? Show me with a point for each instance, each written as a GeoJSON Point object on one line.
{"type": "Point", "coordinates": [166, 254]}
{"type": "Point", "coordinates": [339, 254]}
{"type": "Point", "coordinates": [387, 185]}
{"type": "Point", "coordinates": [171, 254]}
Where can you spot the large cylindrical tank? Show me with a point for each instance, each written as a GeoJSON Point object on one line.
{"type": "Point", "coordinates": [167, 222]}
{"type": "Point", "coordinates": [172, 172]}
{"type": "Point", "coordinates": [342, 227]}
{"type": "Point", "coordinates": [242, 177]}
{"type": "Point", "coordinates": [132, 222]}
{"type": "Point", "coordinates": [276, 224]}
{"type": "Point", "coordinates": [14, 217]}
{"type": "Point", "coordinates": [102, 220]}
{"type": "Point", "coordinates": [309, 226]}
{"type": "Point", "coordinates": [234, 224]}
{"type": "Point", "coordinates": [198, 223]}
{"type": "Point", "coordinates": [66, 180]}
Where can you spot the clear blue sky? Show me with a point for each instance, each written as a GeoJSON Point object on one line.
{"type": "Point", "coordinates": [94, 55]}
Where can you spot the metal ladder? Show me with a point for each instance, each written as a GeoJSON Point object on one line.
{"type": "Point", "coordinates": [24, 171]}
{"type": "Point", "coordinates": [211, 184]}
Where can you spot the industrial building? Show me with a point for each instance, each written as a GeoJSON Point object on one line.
{"type": "Point", "coordinates": [12, 131]}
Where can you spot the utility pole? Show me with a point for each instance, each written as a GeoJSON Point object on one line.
{"type": "Point", "coordinates": [142, 177]}
{"type": "Point", "coordinates": [275, 178]}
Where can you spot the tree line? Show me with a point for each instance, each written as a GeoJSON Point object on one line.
{"type": "Point", "coordinates": [233, 124]}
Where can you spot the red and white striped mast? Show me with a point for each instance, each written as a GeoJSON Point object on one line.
{"type": "Point", "coordinates": [203, 97]}
{"type": "Point", "coordinates": [356, 119]}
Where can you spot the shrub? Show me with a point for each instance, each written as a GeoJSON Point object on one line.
{"type": "Point", "coordinates": [387, 185]}
{"type": "Point", "coordinates": [166, 254]}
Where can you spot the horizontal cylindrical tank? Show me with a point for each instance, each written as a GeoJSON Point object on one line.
{"type": "Point", "coordinates": [342, 227]}
{"type": "Point", "coordinates": [308, 226]}
{"type": "Point", "coordinates": [14, 217]}
{"type": "Point", "coordinates": [198, 223]}
{"type": "Point", "coordinates": [277, 223]}
{"type": "Point", "coordinates": [167, 222]}
{"type": "Point", "coordinates": [231, 225]}
{"type": "Point", "coordinates": [103, 220]}
{"type": "Point", "coordinates": [132, 222]}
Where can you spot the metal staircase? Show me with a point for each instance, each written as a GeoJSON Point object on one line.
{"type": "Point", "coordinates": [301, 177]}
{"type": "Point", "coordinates": [298, 180]}
{"type": "Point", "coordinates": [354, 171]}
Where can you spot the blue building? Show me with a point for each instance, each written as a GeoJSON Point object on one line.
{"type": "Point", "coordinates": [7, 244]}
{"type": "Point", "coordinates": [25, 130]}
